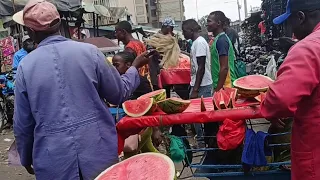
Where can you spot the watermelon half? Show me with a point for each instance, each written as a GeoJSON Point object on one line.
{"type": "Point", "coordinates": [137, 108]}
{"type": "Point", "coordinates": [146, 166]}
{"type": "Point", "coordinates": [253, 85]}
{"type": "Point", "coordinates": [174, 105]}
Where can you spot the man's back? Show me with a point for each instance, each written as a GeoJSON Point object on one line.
{"type": "Point", "coordinates": [61, 84]}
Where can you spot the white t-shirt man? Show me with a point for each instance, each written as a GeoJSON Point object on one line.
{"type": "Point", "coordinates": [200, 48]}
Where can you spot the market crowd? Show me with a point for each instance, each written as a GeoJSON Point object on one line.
{"type": "Point", "coordinates": [63, 127]}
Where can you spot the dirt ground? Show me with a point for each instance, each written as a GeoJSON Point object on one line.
{"type": "Point", "coordinates": [10, 172]}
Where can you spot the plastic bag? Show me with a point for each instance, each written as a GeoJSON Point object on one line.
{"type": "Point", "coordinates": [240, 68]}
{"type": "Point", "coordinates": [272, 68]}
{"type": "Point", "coordinates": [231, 134]}
{"type": "Point", "coordinates": [13, 155]}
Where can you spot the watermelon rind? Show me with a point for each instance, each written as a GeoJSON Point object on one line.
{"type": "Point", "coordinates": [171, 171]}
{"type": "Point", "coordinates": [158, 95]}
{"type": "Point", "coordinates": [242, 87]}
{"type": "Point", "coordinates": [148, 101]}
{"type": "Point", "coordinates": [174, 105]}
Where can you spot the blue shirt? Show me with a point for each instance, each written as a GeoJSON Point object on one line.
{"type": "Point", "coordinates": [61, 123]}
{"type": "Point", "coordinates": [18, 56]}
{"type": "Point", "coordinates": [223, 45]}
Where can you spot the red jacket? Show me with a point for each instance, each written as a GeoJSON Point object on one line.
{"type": "Point", "coordinates": [296, 93]}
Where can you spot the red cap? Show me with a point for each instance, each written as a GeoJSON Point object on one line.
{"type": "Point", "coordinates": [39, 16]}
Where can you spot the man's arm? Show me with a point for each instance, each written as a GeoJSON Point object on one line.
{"type": "Point", "coordinates": [24, 122]}
{"type": "Point", "coordinates": [297, 78]}
{"type": "Point", "coordinates": [223, 50]}
{"type": "Point", "coordinates": [114, 88]}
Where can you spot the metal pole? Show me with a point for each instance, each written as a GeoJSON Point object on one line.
{"type": "Point", "coordinates": [197, 10]}
{"type": "Point", "coordinates": [239, 8]}
{"type": "Point", "coordinates": [245, 8]}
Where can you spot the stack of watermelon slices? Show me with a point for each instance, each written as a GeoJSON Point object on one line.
{"type": "Point", "coordinates": [225, 98]}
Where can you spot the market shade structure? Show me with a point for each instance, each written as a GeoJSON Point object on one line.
{"type": "Point", "coordinates": [105, 45]}
{"type": "Point", "coordinates": [7, 8]}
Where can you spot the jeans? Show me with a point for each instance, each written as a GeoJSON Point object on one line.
{"type": "Point", "coordinates": [205, 91]}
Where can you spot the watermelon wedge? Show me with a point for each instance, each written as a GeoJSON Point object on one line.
{"type": "Point", "coordinates": [261, 97]}
{"type": "Point", "coordinates": [203, 107]}
{"type": "Point", "coordinates": [221, 100]}
{"type": "Point", "coordinates": [158, 95]}
{"type": "Point", "coordinates": [138, 108]}
{"type": "Point", "coordinates": [147, 166]}
{"type": "Point", "coordinates": [251, 86]}
{"type": "Point", "coordinates": [174, 105]}
{"type": "Point", "coordinates": [232, 92]}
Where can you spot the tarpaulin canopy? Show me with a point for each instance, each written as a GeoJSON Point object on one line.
{"type": "Point", "coordinates": [104, 44]}
{"type": "Point", "coordinates": [7, 8]}
{"type": "Point", "coordinates": [245, 110]}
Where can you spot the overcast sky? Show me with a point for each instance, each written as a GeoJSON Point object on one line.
{"type": "Point", "coordinates": [229, 7]}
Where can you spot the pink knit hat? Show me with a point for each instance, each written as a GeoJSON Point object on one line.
{"type": "Point", "coordinates": [38, 15]}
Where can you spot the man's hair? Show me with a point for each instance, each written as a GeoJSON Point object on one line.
{"type": "Point", "coordinates": [125, 25]}
{"type": "Point", "coordinates": [191, 24]}
{"type": "Point", "coordinates": [220, 16]}
{"type": "Point", "coordinates": [127, 56]}
{"type": "Point", "coordinates": [228, 21]}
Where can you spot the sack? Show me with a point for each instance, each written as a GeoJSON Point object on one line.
{"type": "Point", "coordinates": [131, 143]}
{"type": "Point", "coordinates": [177, 150]}
{"type": "Point", "coordinates": [13, 155]}
{"type": "Point", "coordinates": [271, 69]}
{"type": "Point", "coordinates": [240, 68]}
{"type": "Point", "coordinates": [231, 134]}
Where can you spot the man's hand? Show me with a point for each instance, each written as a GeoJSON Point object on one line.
{"type": "Point", "coordinates": [156, 137]}
{"type": "Point", "coordinates": [194, 94]}
{"type": "Point", "coordinates": [141, 60]}
{"type": "Point", "coordinates": [29, 169]}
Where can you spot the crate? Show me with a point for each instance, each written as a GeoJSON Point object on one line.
{"type": "Point", "coordinates": [117, 113]}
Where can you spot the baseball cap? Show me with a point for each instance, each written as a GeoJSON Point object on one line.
{"type": "Point", "coordinates": [38, 15]}
{"type": "Point", "coordinates": [297, 5]}
{"type": "Point", "coordinates": [169, 22]}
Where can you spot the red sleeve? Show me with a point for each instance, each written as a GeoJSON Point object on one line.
{"type": "Point", "coordinates": [297, 78]}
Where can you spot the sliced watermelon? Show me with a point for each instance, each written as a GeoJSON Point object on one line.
{"type": "Point", "coordinates": [233, 92]}
{"type": "Point", "coordinates": [137, 108]}
{"type": "Point", "coordinates": [158, 95]}
{"type": "Point", "coordinates": [174, 105]}
{"type": "Point", "coordinates": [251, 86]}
{"type": "Point", "coordinates": [221, 100]}
{"type": "Point", "coordinates": [153, 166]}
{"type": "Point", "coordinates": [261, 97]}
{"type": "Point", "coordinates": [203, 107]}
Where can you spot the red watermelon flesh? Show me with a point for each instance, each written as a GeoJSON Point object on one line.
{"type": "Point", "coordinates": [158, 95]}
{"type": "Point", "coordinates": [261, 97]}
{"type": "Point", "coordinates": [232, 92]}
{"type": "Point", "coordinates": [253, 82]}
{"type": "Point", "coordinates": [221, 99]}
{"type": "Point", "coordinates": [146, 166]}
{"type": "Point", "coordinates": [137, 108]}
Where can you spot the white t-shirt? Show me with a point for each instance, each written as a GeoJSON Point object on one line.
{"type": "Point", "coordinates": [200, 48]}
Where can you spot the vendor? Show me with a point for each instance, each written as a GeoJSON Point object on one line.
{"type": "Point", "coordinates": [122, 61]}
{"type": "Point", "coordinates": [296, 91]}
{"type": "Point", "coordinates": [27, 46]}
{"type": "Point", "coordinates": [222, 53]}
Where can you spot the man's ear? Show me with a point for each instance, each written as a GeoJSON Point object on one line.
{"type": "Point", "coordinates": [301, 17]}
